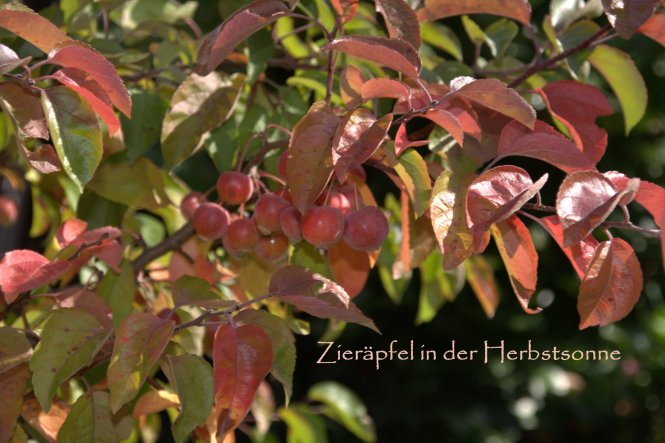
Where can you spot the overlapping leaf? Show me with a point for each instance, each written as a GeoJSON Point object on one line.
{"type": "Point", "coordinates": [23, 270]}
{"type": "Point", "coordinates": [242, 357]}
{"type": "Point", "coordinates": [90, 421]}
{"type": "Point", "coordinates": [654, 28]}
{"type": "Point", "coordinates": [31, 26]}
{"type": "Point", "coordinates": [611, 286]}
{"type": "Point", "coordinates": [70, 340]}
{"type": "Point", "coordinates": [412, 169]}
{"type": "Point", "coordinates": [496, 195]}
{"type": "Point", "coordinates": [519, 255]}
{"type": "Point", "coordinates": [585, 199]}
{"type": "Point", "coordinates": [351, 81]}
{"type": "Point", "coordinates": [9, 60]}
{"type": "Point", "coordinates": [309, 164]}
{"type": "Point", "coordinates": [349, 267]}
{"type": "Point", "coordinates": [543, 143]}
{"type": "Point", "coordinates": [577, 106]}
{"type": "Point", "coordinates": [358, 135]}
{"type": "Point", "coordinates": [139, 343]}
{"type": "Point", "coordinates": [118, 289]}
{"type": "Point", "coordinates": [384, 88]}
{"type": "Point", "coordinates": [199, 105]}
{"type": "Point", "coordinates": [495, 95]}
{"type": "Point", "coordinates": [401, 21]}
{"type": "Point", "coordinates": [519, 10]}
{"type": "Point", "coordinates": [392, 53]}
{"type": "Point", "coordinates": [627, 16]}
{"type": "Point", "coordinates": [15, 350]}
{"type": "Point", "coordinates": [447, 121]}
{"type": "Point", "coordinates": [480, 275]}
{"type": "Point", "coordinates": [316, 295]}
{"type": "Point", "coordinates": [346, 9]}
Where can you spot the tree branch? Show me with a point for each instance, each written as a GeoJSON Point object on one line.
{"type": "Point", "coordinates": [171, 243]}
{"type": "Point", "coordinates": [198, 321]}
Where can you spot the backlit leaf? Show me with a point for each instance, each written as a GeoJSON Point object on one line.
{"type": "Point", "coordinates": [401, 20]}
{"type": "Point", "coordinates": [24, 270]}
{"type": "Point", "coordinates": [15, 350]}
{"type": "Point", "coordinates": [283, 345]}
{"type": "Point", "coordinates": [74, 131]}
{"type": "Point", "coordinates": [358, 135]}
{"type": "Point", "coordinates": [309, 164]}
{"type": "Point", "coordinates": [391, 53]}
{"type": "Point", "coordinates": [447, 121]}
{"type": "Point", "coordinates": [346, 9]}
{"type": "Point", "coordinates": [480, 275]}
{"type": "Point", "coordinates": [303, 426]}
{"type": "Point", "coordinates": [199, 105]}
{"type": "Point", "coordinates": [628, 15]}
{"type": "Point", "coordinates": [519, 255]}
{"type": "Point", "coordinates": [384, 88]}
{"type": "Point", "coordinates": [654, 28]}
{"type": "Point", "coordinates": [626, 81]}
{"type": "Point", "coordinates": [90, 421]}
{"type": "Point", "coordinates": [70, 340]}
{"type": "Point", "coordinates": [495, 95]}
{"type": "Point", "coordinates": [118, 290]}
{"type": "Point", "coordinates": [611, 286]}
{"type": "Point", "coordinates": [442, 37]}
{"type": "Point", "coordinates": [316, 295]}
{"type": "Point", "coordinates": [242, 357]}
{"type": "Point", "coordinates": [139, 343]}
{"type": "Point", "coordinates": [543, 143]}
{"type": "Point", "coordinates": [437, 286]}
{"type": "Point", "coordinates": [351, 81]}
{"type": "Point", "coordinates": [9, 60]}
{"type": "Point", "coordinates": [577, 106]}
{"type": "Point", "coordinates": [235, 29]}
{"type": "Point", "coordinates": [412, 169]}
{"type": "Point", "coordinates": [350, 268]}
{"type": "Point", "coordinates": [46, 423]}
{"type": "Point", "coordinates": [31, 26]}
{"type": "Point", "coordinates": [519, 10]}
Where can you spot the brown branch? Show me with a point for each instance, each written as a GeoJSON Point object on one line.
{"type": "Point", "coordinates": [259, 156]}
{"type": "Point", "coordinates": [198, 321]}
{"type": "Point", "coordinates": [171, 243]}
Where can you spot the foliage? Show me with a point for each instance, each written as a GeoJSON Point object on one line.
{"type": "Point", "coordinates": [147, 298]}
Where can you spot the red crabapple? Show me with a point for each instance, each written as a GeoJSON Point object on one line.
{"type": "Point", "coordinates": [210, 220]}
{"type": "Point", "coordinates": [234, 188]}
{"type": "Point", "coordinates": [366, 229]}
{"type": "Point", "coordinates": [272, 248]}
{"type": "Point", "coordinates": [240, 236]}
{"type": "Point", "coordinates": [190, 203]}
{"type": "Point", "coordinates": [289, 222]}
{"type": "Point", "coordinates": [322, 226]}
{"type": "Point", "coordinates": [266, 212]}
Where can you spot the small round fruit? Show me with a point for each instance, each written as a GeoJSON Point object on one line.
{"type": "Point", "coordinates": [8, 211]}
{"type": "Point", "coordinates": [234, 188]}
{"type": "Point", "coordinates": [210, 220]}
{"type": "Point", "coordinates": [322, 226]}
{"type": "Point", "coordinates": [340, 201]}
{"type": "Point", "coordinates": [289, 222]}
{"type": "Point", "coordinates": [241, 236]}
{"type": "Point", "coordinates": [190, 203]}
{"type": "Point", "coordinates": [272, 248]}
{"type": "Point", "coordinates": [366, 229]}
{"type": "Point", "coordinates": [266, 212]}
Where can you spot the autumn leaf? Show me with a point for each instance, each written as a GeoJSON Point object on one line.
{"type": "Point", "coordinates": [15, 351]}
{"type": "Point", "coordinates": [480, 275]}
{"type": "Point", "coordinates": [346, 9]}
{"type": "Point", "coordinates": [349, 267]}
{"type": "Point", "coordinates": [24, 270]}
{"type": "Point", "coordinates": [384, 88]}
{"type": "Point", "coordinates": [627, 16]}
{"type": "Point", "coordinates": [519, 10]}
{"type": "Point", "coordinates": [31, 26]}
{"type": "Point", "coordinates": [611, 286]}
{"type": "Point", "coordinates": [654, 28]}
{"type": "Point", "coordinates": [401, 21]}
{"type": "Point", "coordinates": [351, 81]}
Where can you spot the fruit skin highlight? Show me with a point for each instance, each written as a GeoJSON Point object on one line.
{"type": "Point", "coordinates": [210, 220]}
{"type": "Point", "coordinates": [322, 226]}
{"type": "Point", "coordinates": [234, 188]}
{"type": "Point", "coordinates": [366, 229]}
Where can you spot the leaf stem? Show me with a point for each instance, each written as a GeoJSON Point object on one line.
{"type": "Point", "coordinates": [198, 321]}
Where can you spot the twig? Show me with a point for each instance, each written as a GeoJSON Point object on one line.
{"type": "Point", "coordinates": [332, 59]}
{"type": "Point", "coordinates": [169, 244]}
{"type": "Point", "coordinates": [198, 321]}
{"type": "Point", "coordinates": [259, 156]}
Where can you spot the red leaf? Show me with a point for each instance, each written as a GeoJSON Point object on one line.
{"type": "Point", "coordinates": [585, 199]}
{"type": "Point", "coordinates": [448, 122]}
{"type": "Point", "coordinates": [88, 301]}
{"type": "Point", "coordinates": [242, 358]}
{"type": "Point", "coordinates": [316, 295]}
{"type": "Point", "coordinates": [346, 9]}
{"type": "Point", "coordinates": [402, 142]}
{"type": "Point", "coordinates": [23, 270]}
{"type": "Point", "coordinates": [349, 267]}
{"type": "Point", "coordinates": [578, 105]}
{"type": "Point", "coordinates": [31, 26]}
{"type": "Point", "coordinates": [611, 286]}
{"type": "Point", "coordinates": [234, 30]}
{"type": "Point", "coordinates": [579, 254]}
{"type": "Point", "coordinates": [101, 243]}
{"type": "Point", "coordinates": [384, 88]}
{"type": "Point", "coordinates": [309, 163]}
{"type": "Point", "coordinates": [518, 253]}
{"type": "Point", "coordinates": [519, 10]}
{"type": "Point", "coordinates": [495, 196]}
{"type": "Point", "coordinates": [92, 92]}
{"type": "Point", "coordinates": [628, 15]}
{"type": "Point", "coordinates": [495, 95]}
{"type": "Point", "coordinates": [48, 424]}
{"type": "Point", "coordinates": [351, 81]}
{"type": "Point", "coordinates": [357, 137]}
{"type": "Point", "coordinates": [15, 351]}
{"type": "Point", "coordinates": [401, 20]}
{"type": "Point", "coordinates": [480, 274]}
{"type": "Point", "coordinates": [394, 54]}
{"type": "Point", "coordinates": [654, 28]}
{"type": "Point", "coordinates": [620, 182]}
{"type": "Point", "coordinates": [544, 143]}
{"type": "Point", "coordinates": [81, 56]}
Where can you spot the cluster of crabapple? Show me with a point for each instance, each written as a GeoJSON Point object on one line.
{"type": "Point", "coordinates": [276, 223]}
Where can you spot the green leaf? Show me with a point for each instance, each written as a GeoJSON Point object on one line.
{"type": "Point", "coordinates": [303, 425]}
{"type": "Point", "coordinates": [98, 211]}
{"type": "Point", "coordinates": [199, 105]}
{"type": "Point", "coordinates": [75, 133]}
{"type": "Point", "coordinates": [344, 407]}
{"type": "Point", "coordinates": [293, 45]}
{"type": "Point", "coordinates": [437, 286]}
{"type": "Point", "coordinates": [90, 421]}
{"type": "Point", "coordinates": [441, 37]}
{"type": "Point", "coordinates": [140, 184]}
{"type": "Point", "coordinates": [15, 350]}
{"type": "Point", "coordinates": [118, 290]}
{"type": "Point", "coordinates": [261, 49]}
{"type": "Point", "coordinates": [476, 34]}
{"type": "Point", "coordinates": [283, 345]}
{"type": "Point", "coordinates": [501, 33]}
{"type": "Point", "coordinates": [192, 379]}
{"type": "Point", "coordinates": [625, 80]}
{"type": "Point", "coordinates": [188, 290]}
{"type": "Point", "coordinates": [143, 129]}
{"type": "Point", "coordinates": [139, 343]}
{"type": "Point", "coordinates": [70, 340]}
{"type": "Point", "coordinates": [412, 169]}
{"type": "Point", "coordinates": [573, 36]}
